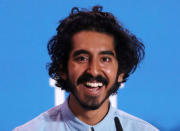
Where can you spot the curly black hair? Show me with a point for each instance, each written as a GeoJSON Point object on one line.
{"type": "Point", "coordinates": [129, 50]}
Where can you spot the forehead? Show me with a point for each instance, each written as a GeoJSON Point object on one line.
{"type": "Point", "coordinates": [92, 41]}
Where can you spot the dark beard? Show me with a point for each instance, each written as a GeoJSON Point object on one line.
{"type": "Point", "coordinates": [95, 105]}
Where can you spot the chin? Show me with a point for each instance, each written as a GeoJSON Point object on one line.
{"type": "Point", "coordinates": [90, 102]}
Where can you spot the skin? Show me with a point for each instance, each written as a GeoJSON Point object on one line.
{"type": "Point", "coordinates": [93, 53]}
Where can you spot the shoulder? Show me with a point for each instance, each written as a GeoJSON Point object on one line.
{"type": "Point", "coordinates": [41, 121]}
{"type": "Point", "coordinates": [130, 122]}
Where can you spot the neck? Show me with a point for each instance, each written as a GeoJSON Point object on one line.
{"type": "Point", "coordinates": [90, 117]}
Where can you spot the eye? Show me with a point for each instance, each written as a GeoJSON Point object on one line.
{"type": "Point", "coordinates": [81, 59]}
{"type": "Point", "coordinates": [106, 59]}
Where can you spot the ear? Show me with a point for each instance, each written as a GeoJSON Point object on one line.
{"type": "Point", "coordinates": [63, 75]}
{"type": "Point", "coordinates": [120, 77]}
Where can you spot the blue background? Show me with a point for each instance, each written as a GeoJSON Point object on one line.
{"type": "Point", "coordinates": [152, 92]}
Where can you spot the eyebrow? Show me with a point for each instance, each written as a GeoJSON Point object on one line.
{"type": "Point", "coordinates": [78, 52]}
{"type": "Point", "coordinates": [107, 53]}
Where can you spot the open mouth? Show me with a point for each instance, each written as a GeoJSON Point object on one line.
{"type": "Point", "coordinates": [93, 84]}
{"type": "Point", "coordinates": [93, 87]}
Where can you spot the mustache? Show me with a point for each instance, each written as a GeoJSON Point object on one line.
{"type": "Point", "coordinates": [88, 77]}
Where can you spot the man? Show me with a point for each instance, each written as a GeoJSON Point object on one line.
{"type": "Point", "coordinates": [92, 54]}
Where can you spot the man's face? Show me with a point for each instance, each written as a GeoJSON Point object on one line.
{"type": "Point", "coordinates": [92, 68]}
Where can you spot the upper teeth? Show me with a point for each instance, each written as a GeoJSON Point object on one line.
{"type": "Point", "coordinates": [94, 84]}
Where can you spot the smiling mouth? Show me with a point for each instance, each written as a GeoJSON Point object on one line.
{"type": "Point", "coordinates": [93, 84]}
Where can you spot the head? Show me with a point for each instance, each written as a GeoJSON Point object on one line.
{"type": "Point", "coordinates": [96, 34]}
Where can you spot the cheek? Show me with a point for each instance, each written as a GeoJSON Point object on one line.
{"type": "Point", "coordinates": [74, 71]}
{"type": "Point", "coordinates": [111, 73]}
{"type": "Point", "coordinates": [111, 70]}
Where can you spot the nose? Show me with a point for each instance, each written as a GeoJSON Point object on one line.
{"type": "Point", "coordinates": [93, 68]}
